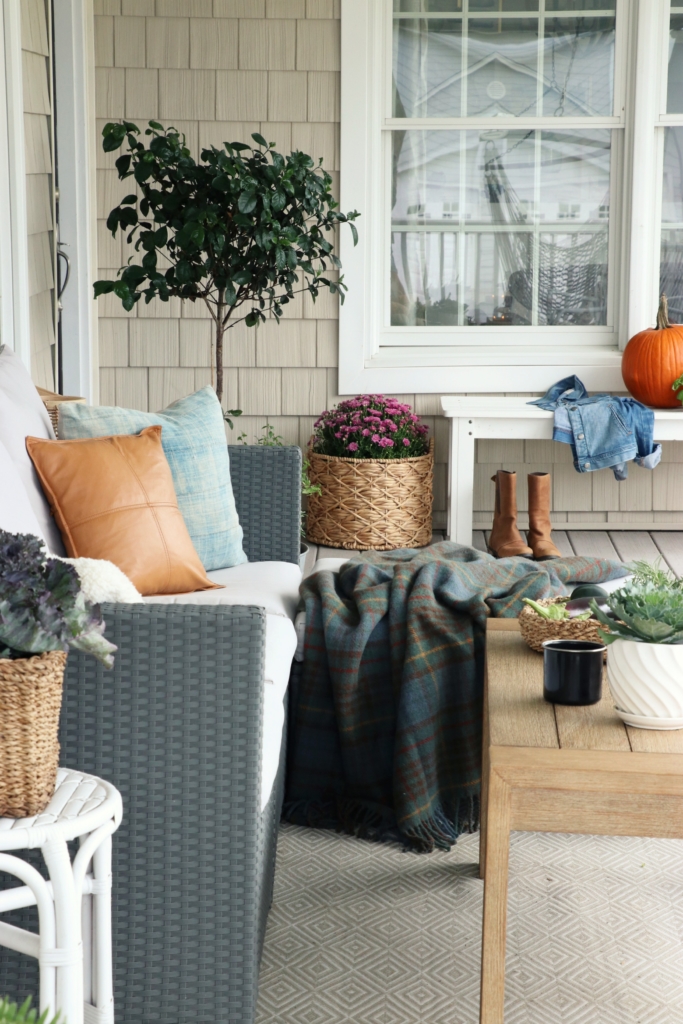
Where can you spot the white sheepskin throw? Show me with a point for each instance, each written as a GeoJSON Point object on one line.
{"type": "Point", "coordinates": [103, 581]}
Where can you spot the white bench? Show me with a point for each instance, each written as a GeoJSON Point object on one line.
{"type": "Point", "coordinates": [473, 417]}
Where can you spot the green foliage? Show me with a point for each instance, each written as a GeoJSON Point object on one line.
{"type": "Point", "coordinates": [645, 612]}
{"type": "Point", "coordinates": [227, 416]}
{"type": "Point", "coordinates": [42, 607]}
{"type": "Point", "coordinates": [11, 1013]}
{"type": "Point", "coordinates": [678, 386]}
{"type": "Point", "coordinates": [554, 612]}
{"type": "Point", "coordinates": [648, 572]}
{"type": "Point", "coordinates": [243, 227]}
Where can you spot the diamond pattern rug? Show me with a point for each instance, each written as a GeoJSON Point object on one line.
{"type": "Point", "coordinates": [363, 933]}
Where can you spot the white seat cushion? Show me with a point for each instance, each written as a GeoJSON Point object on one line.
{"type": "Point", "coordinates": [275, 587]}
{"type": "Point", "coordinates": [270, 585]}
{"type": "Point", "coordinates": [22, 414]}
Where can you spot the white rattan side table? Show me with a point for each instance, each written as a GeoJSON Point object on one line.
{"type": "Point", "coordinates": [73, 947]}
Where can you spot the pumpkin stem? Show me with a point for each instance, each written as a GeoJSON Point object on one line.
{"type": "Point", "coordinates": [663, 314]}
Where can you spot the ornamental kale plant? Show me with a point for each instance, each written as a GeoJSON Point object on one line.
{"type": "Point", "coordinates": [645, 612]}
{"type": "Point", "coordinates": [370, 427]}
{"type": "Point", "coordinates": [243, 227]}
{"type": "Point", "coordinates": [42, 607]}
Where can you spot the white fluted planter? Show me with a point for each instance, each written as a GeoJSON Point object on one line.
{"type": "Point", "coordinates": [646, 682]}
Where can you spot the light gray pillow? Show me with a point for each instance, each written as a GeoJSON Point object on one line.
{"type": "Point", "coordinates": [16, 512]}
{"type": "Point", "coordinates": [23, 414]}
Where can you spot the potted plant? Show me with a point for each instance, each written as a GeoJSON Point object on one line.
{"type": "Point", "coordinates": [12, 1013]}
{"type": "Point", "coordinates": [645, 649]}
{"type": "Point", "coordinates": [374, 467]}
{"type": "Point", "coordinates": [242, 227]}
{"type": "Point", "coordinates": [42, 614]}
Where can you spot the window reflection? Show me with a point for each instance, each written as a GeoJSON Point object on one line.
{"type": "Point", "coordinates": [671, 259]}
{"type": "Point", "coordinates": [503, 227]}
{"type": "Point", "coordinates": [457, 65]}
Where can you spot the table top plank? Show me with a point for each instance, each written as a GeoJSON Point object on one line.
{"type": "Point", "coordinates": [518, 715]}
{"type": "Point", "coordinates": [656, 741]}
{"type": "Point", "coordinates": [591, 728]}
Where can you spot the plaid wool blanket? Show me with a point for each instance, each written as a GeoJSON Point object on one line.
{"type": "Point", "coordinates": [386, 710]}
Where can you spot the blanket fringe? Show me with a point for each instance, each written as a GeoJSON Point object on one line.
{"type": "Point", "coordinates": [377, 823]}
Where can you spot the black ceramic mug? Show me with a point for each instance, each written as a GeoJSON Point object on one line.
{"type": "Point", "coordinates": [572, 671]}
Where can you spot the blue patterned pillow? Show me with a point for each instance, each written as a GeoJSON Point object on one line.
{"type": "Point", "coordinates": [193, 438]}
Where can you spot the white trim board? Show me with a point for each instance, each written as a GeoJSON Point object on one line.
{"type": "Point", "coordinates": [75, 90]}
{"type": "Point", "coordinates": [13, 220]}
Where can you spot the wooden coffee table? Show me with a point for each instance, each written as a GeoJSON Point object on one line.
{"type": "Point", "coordinates": [549, 768]}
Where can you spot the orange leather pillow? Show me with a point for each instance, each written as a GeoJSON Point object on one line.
{"type": "Point", "coordinates": [113, 498]}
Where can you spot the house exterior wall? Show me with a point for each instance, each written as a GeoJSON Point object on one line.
{"type": "Point", "coordinates": [222, 69]}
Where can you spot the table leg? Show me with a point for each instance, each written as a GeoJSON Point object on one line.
{"type": "Point", "coordinates": [461, 481]}
{"type": "Point", "coordinates": [495, 901]}
{"type": "Point", "coordinates": [485, 769]}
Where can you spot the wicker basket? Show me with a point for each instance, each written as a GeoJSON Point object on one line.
{"type": "Point", "coordinates": [535, 629]}
{"type": "Point", "coordinates": [30, 702]}
{"type": "Point", "coordinates": [375, 504]}
{"type": "Point", "coordinates": [52, 402]}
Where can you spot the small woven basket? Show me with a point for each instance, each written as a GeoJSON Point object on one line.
{"type": "Point", "coordinates": [535, 629]}
{"type": "Point", "coordinates": [30, 702]}
{"type": "Point", "coordinates": [375, 504]}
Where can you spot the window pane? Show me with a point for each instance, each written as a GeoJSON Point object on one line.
{"type": "Point", "coordinates": [671, 260]}
{"type": "Point", "coordinates": [674, 98]}
{"type": "Point", "coordinates": [427, 67]}
{"type": "Point", "coordinates": [500, 227]}
{"type": "Point", "coordinates": [507, 72]}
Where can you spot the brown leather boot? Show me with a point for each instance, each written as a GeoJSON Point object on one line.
{"type": "Point", "coordinates": [540, 526]}
{"type": "Point", "coordinates": [506, 540]}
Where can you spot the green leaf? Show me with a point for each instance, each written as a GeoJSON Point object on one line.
{"type": "Point", "coordinates": [183, 272]}
{"type": "Point", "coordinates": [129, 200]}
{"type": "Point", "coordinates": [103, 288]}
{"type": "Point", "coordinates": [246, 202]}
{"type": "Point", "coordinates": [259, 138]}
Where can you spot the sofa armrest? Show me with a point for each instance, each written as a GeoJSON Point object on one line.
{"type": "Point", "coordinates": [266, 483]}
{"type": "Point", "coordinates": [177, 727]}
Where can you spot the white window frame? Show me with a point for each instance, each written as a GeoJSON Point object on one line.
{"type": "Point", "coordinates": [375, 357]}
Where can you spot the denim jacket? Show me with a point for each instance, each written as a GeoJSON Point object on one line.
{"type": "Point", "coordinates": [603, 430]}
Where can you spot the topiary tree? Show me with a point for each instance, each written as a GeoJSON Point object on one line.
{"type": "Point", "coordinates": [243, 228]}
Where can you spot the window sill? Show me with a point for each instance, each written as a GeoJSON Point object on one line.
{"type": "Point", "coordinates": [472, 369]}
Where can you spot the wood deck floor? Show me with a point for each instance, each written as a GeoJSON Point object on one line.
{"type": "Point", "coordinates": [623, 545]}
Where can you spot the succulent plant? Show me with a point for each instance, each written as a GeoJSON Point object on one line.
{"type": "Point", "coordinates": [42, 607]}
{"type": "Point", "coordinates": [12, 1013]}
{"type": "Point", "coordinates": [645, 612]}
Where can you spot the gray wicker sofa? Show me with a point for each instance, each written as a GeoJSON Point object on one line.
{"type": "Point", "coordinates": [178, 728]}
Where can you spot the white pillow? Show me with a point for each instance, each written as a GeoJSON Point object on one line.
{"type": "Point", "coordinates": [22, 413]}
{"type": "Point", "coordinates": [16, 511]}
{"type": "Point", "coordinates": [103, 581]}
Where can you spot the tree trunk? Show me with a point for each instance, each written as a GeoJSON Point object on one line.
{"type": "Point", "coordinates": [220, 331]}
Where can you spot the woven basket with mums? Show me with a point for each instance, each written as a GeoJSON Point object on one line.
{"type": "Point", "coordinates": [371, 503]}
{"type": "Point", "coordinates": [30, 701]}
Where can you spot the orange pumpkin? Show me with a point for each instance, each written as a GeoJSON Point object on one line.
{"type": "Point", "coordinates": [652, 361]}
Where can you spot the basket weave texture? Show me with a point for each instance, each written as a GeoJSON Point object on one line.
{"type": "Point", "coordinates": [535, 630]}
{"type": "Point", "coordinates": [375, 504]}
{"type": "Point", "coordinates": [30, 702]}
